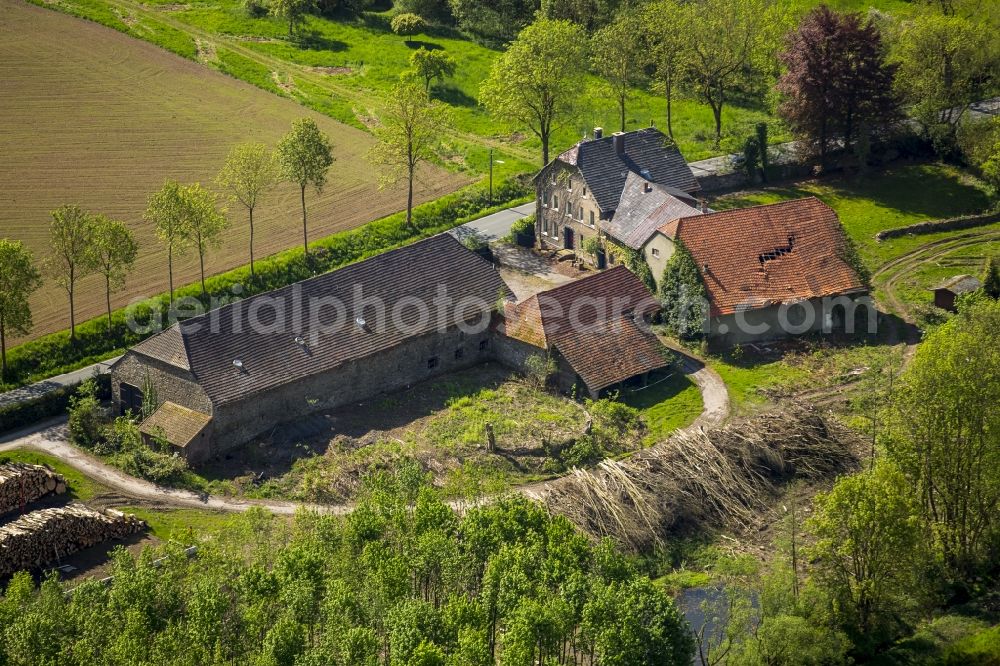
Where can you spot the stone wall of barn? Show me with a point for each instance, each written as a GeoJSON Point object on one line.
{"type": "Point", "coordinates": [763, 324]}
{"type": "Point", "coordinates": [171, 383]}
{"type": "Point", "coordinates": [413, 361]}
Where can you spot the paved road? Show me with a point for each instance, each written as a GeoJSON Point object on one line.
{"type": "Point", "coordinates": [495, 226]}
{"type": "Point", "coordinates": [52, 383]}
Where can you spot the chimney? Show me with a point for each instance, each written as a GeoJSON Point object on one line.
{"type": "Point", "coordinates": [619, 139]}
{"type": "Point", "coordinates": [647, 188]}
{"type": "Point", "coordinates": [703, 205]}
{"type": "Point", "coordinates": [598, 132]}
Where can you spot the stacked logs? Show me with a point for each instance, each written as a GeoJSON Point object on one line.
{"type": "Point", "coordinates": [44, 536]}
{"type": "Point", "coordinates": [21, 483]}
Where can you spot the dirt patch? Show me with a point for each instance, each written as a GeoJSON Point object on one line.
{"type": "Point", "coordinates": [283, 82]}
{"type": "Point", "coordinates": [128, 19]}
{"type": "Point", "coordinates": [332, 71]}
{"type": "Point", "coordinates": [174, 7]}
{"type": "Point", "coordinates": [206, 51]}
{"type": "Point", "coordinates": [256, 38]}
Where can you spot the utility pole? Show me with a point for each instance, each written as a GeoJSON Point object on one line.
{"type": "Point", "coordinates": [491, 176]}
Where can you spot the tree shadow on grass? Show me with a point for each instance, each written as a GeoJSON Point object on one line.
{"type": "Point", "coordinates": [417, 44]}
{"type": "Point", "coordinates": [313, 40]}
{"type": "Point", "coordinates": [913, 189]}
{"type": "Point", "coordinates": [453, 96]}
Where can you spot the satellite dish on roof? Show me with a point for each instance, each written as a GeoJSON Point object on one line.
{"type": "Point", "coordinates": [299, 340]}
{"type": "Point", "coordinates": [238, 364]}
{"type": "Point", "coordinates": [360, 321]}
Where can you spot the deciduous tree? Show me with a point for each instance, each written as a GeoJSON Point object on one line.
{"type": "Point", "coordinates": [666, 24]}
{"type": "Point", "coordinates": [537, 82]}
{"type": "Point", "coordinates": [868, 545]}
{"type": "Point", "coordinates": [18, 279]}
{"type": "Point", "coordinates": [407, 136]}
{"type": "Point", "coordinates": [203, 222]}
{"type": "Point", "coordinates": [991, 277]}
{"type": "Point", "coordinates": [293, 11]}
{"type": "Point", "coordinates": [304, 156]}
{"type": "Point", "coordinates": [165, 209]}
{"type": "Point", "coordinates": [249, 171]}
{"type": "Point", "coordinates": [945, 63]}
{"type": "Point", "coordinates": [732, 42]}
{"type": "Point", "coordinates": [113, 254]}
{"type": "Point", "coordinates": [432, 65]}
{"type": "Point", "coordinates": [836, 79]}
{"type": "Point", "coordinates": [618, 54]}
{"type": "Point", "coordinates": [946, 433]}
{"type": "Point", "coordinates": [72, 236]}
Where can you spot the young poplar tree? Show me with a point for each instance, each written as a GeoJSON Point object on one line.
{"type": "Point", "coordinates": [165, 210]}
{"type": "Point", "coordinates": [408, 135]}
{"type": "Point", "coordinates": [618, 55]}
{"type": "Point", "coordinates": [249, 171]}
{"type": "Point", "coordinates": [666, 30]}
{"type": "Point", "coordinates": [113, 255]}
{"type": "Point", "coordinates": [203, 222]}
{"type": "Point", "coordinates": [72, 236]}
{"type": "Point", "coordinates": [304, 156]}
{"type": "Point", "coordinates": [18, 279]}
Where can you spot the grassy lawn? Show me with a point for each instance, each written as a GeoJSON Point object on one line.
{"type": "Point", "coordinates": [897, 197]}
{"type": "Point", "coordinates": [746, 377]}
{"type": "Point", "coordinates": [666, 406]}
{"type": "Point", "coordinates": [915, 287]}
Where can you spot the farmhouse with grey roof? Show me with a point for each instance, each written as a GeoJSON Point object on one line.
{"type": "Point", "coordinates": [372, 327]}
{"type": "Point", "coordinates": [582, 192]}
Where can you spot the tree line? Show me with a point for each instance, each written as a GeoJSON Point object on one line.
{"type": "Point", "coordinates": [191, 217]}
{"type": "Point", "coordinates": [403, 580]}
{"type": "Point", "coordinates": [839, 77]}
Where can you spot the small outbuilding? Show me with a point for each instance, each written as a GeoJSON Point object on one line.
{"type": "Point", "coordinates": [593, 327]}
{"type": "Point", "coordinates": [946, 293]}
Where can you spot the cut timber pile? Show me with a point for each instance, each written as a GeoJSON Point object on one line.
{"type": "Point", "coordinates": [723, 476]}
{"type": "Point", "coordinates": [21, 483]}
{"type": "Point", "coordinates": [44, 536]}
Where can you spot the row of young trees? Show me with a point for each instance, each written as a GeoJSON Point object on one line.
{"type": "Point", "coordinates": [402, 581]}
{"type": "Point", "coordinates": [842, 74]}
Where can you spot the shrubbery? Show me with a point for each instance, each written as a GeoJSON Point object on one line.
{"type": "Point", "coordinates": [51, 404]}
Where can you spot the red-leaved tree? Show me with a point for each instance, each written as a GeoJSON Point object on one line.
{"type": "Point", "coordinates": [836, 79]}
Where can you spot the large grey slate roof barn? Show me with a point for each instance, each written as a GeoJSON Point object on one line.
{"type": "Point", "coordinates": [267, 359]}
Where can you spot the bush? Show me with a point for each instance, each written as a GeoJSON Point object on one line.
{"type": "Point", "coordinates": [407, 24]}
{"type": "Point", "coordinates": [130, 454]}
{"type": "Point", "coordinates": [86, 416]}
{"type": "Point", "coordinates": [53, 403]}
{"type": "Point", "coordinates": [538, 368]}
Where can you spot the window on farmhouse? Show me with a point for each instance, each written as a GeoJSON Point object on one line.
{"type": "Point", "coordinates": [656, 252]}
{"type": "Point", "coordinates": [459, 353]}
{"type": "Point", "coordinates": [483, 344]}
{"type": "Point", "coordinates": [591, 218]}
{"type": "Point", "coordinates": [432, 362]}
{"type": "Point", "coordinates": [555, 202]}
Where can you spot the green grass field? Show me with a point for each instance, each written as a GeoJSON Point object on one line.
{"type": "Point", "coordinates": [897, 197]}
{"type": "Point", "coordinates": [673, 403]}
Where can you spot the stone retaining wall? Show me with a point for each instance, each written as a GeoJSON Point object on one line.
{"type": "Point", "coordinates": [934, 226]}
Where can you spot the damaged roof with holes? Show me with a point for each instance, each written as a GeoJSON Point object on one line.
{"type": "Point", "coordinates": [551, 314]}
{"type": "Point", "coordinates": [647, 151]}
{"type": "Point", "coordinates": [611, 351]}
{"type": "Point", "coordinates": [644, 207]}
{"type": "Point", "coordinates": [176, 424]}
{"type": "Point", "coordinates": [766, 255]}
{"type": "Point", "coordinates": [231, 360]}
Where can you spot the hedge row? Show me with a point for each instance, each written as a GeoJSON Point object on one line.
{"type": "Point", "coordinates": [54, 354]}
{"type": "Point", "coordinates": [53, 403]}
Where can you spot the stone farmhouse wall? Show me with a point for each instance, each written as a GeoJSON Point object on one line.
{"type": "Point", "coordinates": [172, 384]}
{"type": "Point", "coordinates": [562, 201]}
{"type": "Point", "coordinates": [724, 330]}
{"type": "Point", "coordinates": [411, 362]}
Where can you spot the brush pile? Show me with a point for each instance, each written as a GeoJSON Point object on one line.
{"type": "Point", "coordinates": [46, 535]}
{"type": "Point", "coordinates": [721, 477]}
{"type": "Point", "coordinates": [21, 483]}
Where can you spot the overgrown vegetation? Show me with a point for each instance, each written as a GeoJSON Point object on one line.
{"type": "Point", "coordinates": [402, 580]}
